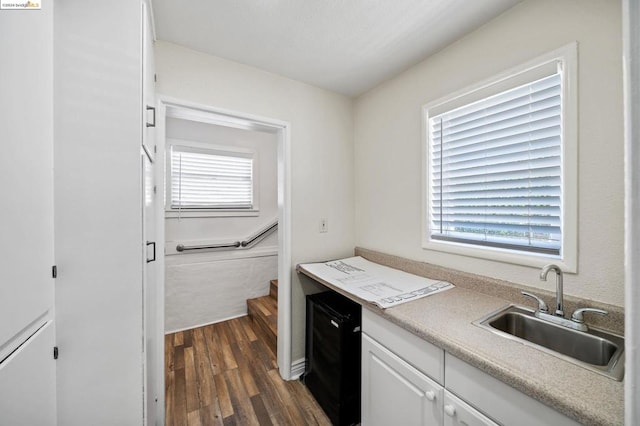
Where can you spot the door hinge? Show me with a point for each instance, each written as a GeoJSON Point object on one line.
{"type": "Point", "coordinates": [155, 78]}
{"type": "Point", "coordinates": [55, 352]}
{"type": "Point", "coordinates": [155, 189]}
{"type": "Point", "coordinates": [54, 271]}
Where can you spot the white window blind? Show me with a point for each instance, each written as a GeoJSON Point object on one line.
{"type": "Point", "coordinates": [495, 170]}
{"type": "Point", "coordinates": [208, 179]}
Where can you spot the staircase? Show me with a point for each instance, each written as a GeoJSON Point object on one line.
{"type": "Point", "coordinates": [263, 312]}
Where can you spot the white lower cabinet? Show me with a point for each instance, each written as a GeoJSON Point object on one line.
{"type": "Point", "coordinates": [459, 413]}
{"type": "Point", "coordinates": [395, 393]}
{"type": "Point", "coordinates": [503, 403]}
{"type": "Point", "coordinates": [409, 381]}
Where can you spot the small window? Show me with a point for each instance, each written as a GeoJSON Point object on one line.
{"type": "Point", "coordinates": [210, 179]}
{"type": "Point", "coordinates": [497, 165]}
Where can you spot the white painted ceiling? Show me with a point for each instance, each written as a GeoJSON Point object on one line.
{"type": "Point", "coordinates": [347, 46]}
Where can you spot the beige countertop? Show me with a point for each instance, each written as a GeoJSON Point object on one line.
{"type": "Point", "coordinates": [446, 320]}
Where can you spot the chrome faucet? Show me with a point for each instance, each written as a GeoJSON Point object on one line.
{"type": "Point", "coordinates": [577, 320]}
{"type": "Point", "coordinates": [543, 277]}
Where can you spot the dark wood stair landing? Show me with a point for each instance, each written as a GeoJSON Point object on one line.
{"type": "Point", "coordinates": [263, 312]}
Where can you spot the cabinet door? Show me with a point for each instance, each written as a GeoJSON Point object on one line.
{"type": "Point", "coordinates": [458, 413]}
{"type": "Point", "coordinates": [393, 392]}
{"type": "Point", "coordinates": [499, 400]}
{"type": "Point", "coordinates": [148, 85]}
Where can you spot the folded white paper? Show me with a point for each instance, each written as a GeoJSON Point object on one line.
{"type": "Point", "coordinates": [378, 284]}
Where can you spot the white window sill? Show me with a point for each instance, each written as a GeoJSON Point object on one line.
{"type": "Point", "coordinates": [536, 260]}
{"type": "Point", "coordinates": [175, 214]}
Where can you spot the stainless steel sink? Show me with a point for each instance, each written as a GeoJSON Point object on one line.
{"type": "Point", "coordinates": [595, 350]}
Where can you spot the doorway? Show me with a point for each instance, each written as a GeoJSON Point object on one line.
{"type": "Point", "coordinates": [172, 112]}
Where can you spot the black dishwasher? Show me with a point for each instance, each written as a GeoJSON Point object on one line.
{"type": "Point", "coordinates": [332, 368]}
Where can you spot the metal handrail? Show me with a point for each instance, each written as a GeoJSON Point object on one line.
{"type": "Point", "coordinates": [235, 244]}
{"type": "Point", "coordinates": [182, 247]}
{"type": "Point", "coordinates": [259, 235]}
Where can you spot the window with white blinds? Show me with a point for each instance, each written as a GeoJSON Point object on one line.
{"type": "Point", "coordinates": [501, 166]}
{"type": "Point", "coordinates": [210, 179]}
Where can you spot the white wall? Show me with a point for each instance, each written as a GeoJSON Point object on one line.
{"type": "Point", "coordinates": [203, 291]}
{"type": "Point", "coordinates": [98, 211]}
{"type": "Point", "coordinates": [321, 148]}
{"type": "Point", "coordinates": [211, 286]}
{"type": "Point", "coordinates": [388, 139]}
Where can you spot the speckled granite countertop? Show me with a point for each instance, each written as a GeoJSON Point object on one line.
{"type": "Point", "coordinates": [445, 319]}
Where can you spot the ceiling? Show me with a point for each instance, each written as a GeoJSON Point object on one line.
{"type": "Point", "coordinates": [347, 46]}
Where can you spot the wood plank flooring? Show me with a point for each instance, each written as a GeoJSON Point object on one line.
{"type": "Point", "coordinates": [225, 374]}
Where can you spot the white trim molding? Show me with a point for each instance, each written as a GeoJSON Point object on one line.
{"type": "Point", "coordinates": [631, 71]}
{"type": "Point", "coordinates": [285, 269]}
{"type": "Point", "coordinates": [297, 368]}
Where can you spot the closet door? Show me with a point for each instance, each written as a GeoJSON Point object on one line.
{"type": "Point", "coordinates": [98, 217]}
{"type": "Point", "coordinates": [27, 324]}
{"type": "Point", "coordinates": [152, 343]}
{"type": "Point", "coordinates": [152, 303]}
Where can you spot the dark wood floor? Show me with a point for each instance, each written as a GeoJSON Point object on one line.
{"type": "Point", "coordinates": [225, 374]}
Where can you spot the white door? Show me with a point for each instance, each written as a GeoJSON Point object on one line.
{"type": "Point", "coordinates": [395, 393]}
{"type": "Point", "coordinates": [152, 345]}
{"type": "Point", "coordinates": [153, 341]}
{"type": "Point", "coordinates": [27, 329]}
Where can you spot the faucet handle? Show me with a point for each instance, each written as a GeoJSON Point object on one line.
{"type": "Point", "coordinates": [577, 314]}
{"type": "Point", "coordinates": [542, 306]}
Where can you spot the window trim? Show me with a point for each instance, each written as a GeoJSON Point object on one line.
{"type": "Point", "coordinates": [567, 57]}
{"type": "Point", "coordinates": [171, 213]}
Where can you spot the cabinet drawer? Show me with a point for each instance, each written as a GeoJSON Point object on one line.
{"type": "Point", "coordinates": [498, 400]}
{"type": "Point", "coordinates": [427, 358]}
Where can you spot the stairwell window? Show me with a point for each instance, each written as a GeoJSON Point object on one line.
{"type": "Point", "coordinates": [203, 179]}
{"type": "Point", "coordinates": [501, 166]}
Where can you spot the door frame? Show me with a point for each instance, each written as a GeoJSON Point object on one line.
{"type": "Point", "coordinates": [631, 72]}
{"type": "Point", "coordinates": [282, 129]}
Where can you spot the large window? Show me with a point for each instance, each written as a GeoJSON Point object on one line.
{"type": "Point", "coordinates": [210, 179]}
{"type": "Point", "coordinates": [500, 166]}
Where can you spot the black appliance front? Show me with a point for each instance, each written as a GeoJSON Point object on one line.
{"type": "Point", "coordinates": [333, 345]}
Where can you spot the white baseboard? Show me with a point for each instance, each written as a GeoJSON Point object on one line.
{"type": "Point", "coordinates": [205, 324]}
{"type": "Point", "coordinates": [297, 368]}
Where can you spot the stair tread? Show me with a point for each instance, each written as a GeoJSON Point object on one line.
{"type": "Point", "coordinates": [265, 309]}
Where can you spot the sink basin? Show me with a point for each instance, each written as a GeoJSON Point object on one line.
{"type": "Point", "coordinates": [596, 350]}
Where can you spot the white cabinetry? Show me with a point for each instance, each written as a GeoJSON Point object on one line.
{"type": "Point", "coordinates": [393, 392]}
{"type": "Point", "coordinates": [498, 400]}
{"type": "Point", "coordinates": [425, 357]}
{"type": "Point", "coordinates": [403, 378]}
{"type": "Point", "coordinates": [148, 84]}
{"type": "Point", "coordinates": [459, 413]}
{"type": "Point", "coordinates": [408, 381]}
